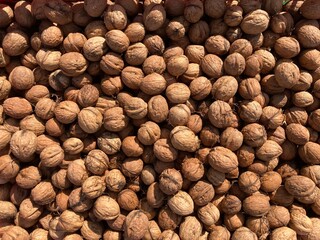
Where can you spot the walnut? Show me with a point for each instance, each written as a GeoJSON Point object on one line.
{"type": "Point", "coordinates": [136, 225]}
{"type": "Point", "coordinates": [105, 208]}
{"type": "Point", "coordinates": [17, 107]}
{"type": "Point", "coordinates": [212, 65]}
{"type": "Point", "coordinates": [190, 228]}
{"type": "Point", "coordinates": [108, 142]}
{"type": "Point", "coordinates": [23, 145]}
{"type": "Point", "coordinates": [48, 60]}
{"type": "Point", "coordinates": [73, 64]}
{"type": "Point", "coordinates": [43, 193]}
{"type": "Point", "coordinates": [182, 138]}
{"type": "Point", "coordinates": [154, 17]}
{"type": "Point", "coordinates": [181, 203]}
{"type": "Point", "coordinates": [52, 156]}
{"type": "Point", "coordinates": [15, 43]}
{"type": "Point", "coordinates": [58, 12]}
{"type": "Point", "coordinates": [93, 187]}
{"type": "Point", "coordinates": [221, 115]}
{"type": "Point", "coordinates": [255, 22]}
{"type": "Point", "coordinates": [222, 159]}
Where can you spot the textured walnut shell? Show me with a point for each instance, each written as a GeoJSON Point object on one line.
{"type": "Point", "coordinates": [115, 17]}
{"type": "Point", "coordinates": [222, 159]}
{"type": "Point", "coordinates": [269, 150]}
{"type": "Point", "coordinates": [310, 9]}
{"type": "Point", "coordinates": [255, 22]}
{"type": "Point", "coordinates": [309, 153]}
{"type": "Point", "coordinates": [283, 233]}
{"type": "Point", "coordinates": [17, 107]}
{"type": "Point", "coordinates": [23, 145]}
{"type": "Point", "coordinates": [7, 210]}
{"type": "Point", "coordinates": [234, 64]}
{"type": "Point", "coordinates": [74, 42]}
{"type": "Point", "coordinates": [15, 43]}
{"type": "Point", "coordinates": [224, 88]}
{"type": "Point", "coordinates": [158, 109]}
{"type": "Point", "coordinates": [190, 228]}
{"type": "Point", "coordinates": [136, 225]}
{"type": "Point", "coordinates": [154, 17]}
{"type": "Point", "coordinates": [256, 205]}
{"type": "Point", "coordinates": [181, 203]}
{"type": "Point", "coordinates": [212, 65]}
{"type": "Point", "coordinates": [149, 133]}
{"type": "Point", "coordinates": [164, 150]}
{"type": "Point", "coordinates": [117, 40]}
{"type": "Point", "coordinates": [43, 193]}
{"type": "Point", "coordinates": [90, 119]}
{"type": "Point", "coordinates": [221, 115]}
{"type": "Point", "coordinates": [73, 64]}
{"type": "Point", "coordinates": [105, 208]}
{"type": "Point", "coordinates": [182, 138]}
{"type": "Point", "coordinates": [52, 156]}
{"type": "Point", "coordinates": [299, 186]}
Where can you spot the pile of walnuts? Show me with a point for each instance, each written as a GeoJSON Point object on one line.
{"type": "Point", "coordinates": [160, 120]}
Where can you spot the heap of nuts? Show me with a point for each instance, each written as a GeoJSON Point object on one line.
{"type": "Point", "coordinates": [160, 119]}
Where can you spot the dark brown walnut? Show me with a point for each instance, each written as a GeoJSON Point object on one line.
{"type": "Point", "coordinates": [230, 205]}
{"type": "Point", "coordinates": [128, 200]}
{"type": "Point", "coordinates": [58, 12]}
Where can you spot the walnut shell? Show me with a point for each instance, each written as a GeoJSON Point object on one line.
{"type": "Point", "coordinates": [222, 159]}
{"type": "Point", "coordinates": [181, 203]}
{"type": "Point", "coordinates": [190, 228]}
{"type": "Point", "coordinates": [182, 138]}
{"type": "Point", "coordinates": [221, 115]}
{"type": "Point", "coordinates": [269, 150]}
{"type": "Point", "coordinates": [15, 43]}
{"type": "Point", "coordinates": [136, 225]}
{"type": "Point", "coordinates": [73, 64]}
{"type": "Point", "coordinates": [299, 186]}
{"type": "Point", "coordinates": [23, 145]}
{"type": "Point", "coordinates": [256, 205]}
{"type": "Point", "coordinates": [105, 208]}
{"type": "Point", "coordinates": [224, 88]}
{"type": "Point", "coordinates": [255, 22]}
{"type": "Point", "coordinates": [43, 193]}
{"type": "Point", "coordinates": [17, 107]}
{"type": "Point", "coordinates": [117, 40]}
{"type": "Point", "coordinates": [90, 119]}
